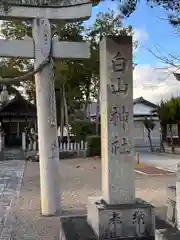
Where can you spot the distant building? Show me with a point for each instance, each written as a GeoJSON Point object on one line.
{"type": "Point", "coordinates": [15, 115]}
{"type": "Point", "coordinates": [142, 109]}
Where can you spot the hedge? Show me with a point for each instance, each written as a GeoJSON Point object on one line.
{"type": "Point", "coordinates": [94, 146]}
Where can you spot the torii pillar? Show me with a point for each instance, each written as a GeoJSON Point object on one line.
{"type": "Point", "coordinates": [40, 49]}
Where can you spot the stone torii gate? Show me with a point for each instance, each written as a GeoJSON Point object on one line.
{"type": "Point", "coordinates": [41, 48]}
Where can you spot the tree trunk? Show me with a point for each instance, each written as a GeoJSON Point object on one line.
{"type": "Point", "coordinates": [62, 117]}
{"type": "Point", "coordinates": [150, 142]}
{"type": "Point", "coordinates": [171, 136]}
{"type": "Point", "coordinates": [66, 114]}
{"type": "Point", "coordinates": [178, 125]}
{"type": "Point", "coordinates": [87, 94]}
{"type": "Point", "coordinates": [97, 110]}
{"type": "Point", "coordinates": [162, 144]}
{"type": "Point", "coordinates": [162, 148]}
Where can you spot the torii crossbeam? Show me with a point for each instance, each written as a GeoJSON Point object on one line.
{"type": "Point", "coordinates": [41, 47]}
{"type": "Point", "coordinates": [61, 50]}
{"type": "Point", "coordinates": [31, 9]}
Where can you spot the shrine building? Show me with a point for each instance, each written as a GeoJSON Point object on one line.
{"type": "Point", "coordinates": [15, 115]}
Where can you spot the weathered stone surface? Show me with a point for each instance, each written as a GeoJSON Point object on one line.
{"type": "Point", "coordinates": [77, 228]}
{"type": "Point", "coordinates": [10, 48]}
{"type": "Point", "coordinates": [178, 197]}
{"type": "Point", "coordinates": [171, 205]}
{"type": "Point", "coordinates": [167, 234]}
{"type": "Point", "coordinates": [117, 120]}
{"type": "Point", "coordinates": [165, 231]}
{"type": "Point", "coordinates": [171, 192]}
{"type": "Point", "coordinates": [11, 174]}
{"type": "Point", "coordinates": [28, 11]}
{"type": "Point", "coordinates": [121, 221]}
{"type": "Point", "coordinates": [117, 214]}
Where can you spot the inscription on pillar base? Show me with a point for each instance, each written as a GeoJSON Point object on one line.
{"type": "Point", "coordinates": [123, 221]}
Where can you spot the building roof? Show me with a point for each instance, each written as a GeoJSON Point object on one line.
{"type": "Point", "coordinates": [91, 110]}
{"type": "Point", "coordinates": [18, 106]}
{"type": "Point", "coordinates": [145, 102]}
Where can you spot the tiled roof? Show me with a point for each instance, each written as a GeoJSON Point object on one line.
{"type": "Point", "coordinates": [91, 111]}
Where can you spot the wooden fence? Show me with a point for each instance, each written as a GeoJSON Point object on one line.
{"type": "Point", "coordinates": [73, 146]}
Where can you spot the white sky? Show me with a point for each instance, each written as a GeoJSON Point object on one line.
{"type": "Point", "coordinates": [151, 83]}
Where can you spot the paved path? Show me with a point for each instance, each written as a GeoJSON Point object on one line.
{"type": "Point", "coordinates": [24, 221]}
{"type": "Point", "coordinates": [11, 175]}
{"type": "Point", "coordinates": [165, 161]}
{"type": "Point", "coordinates": [79, 178]}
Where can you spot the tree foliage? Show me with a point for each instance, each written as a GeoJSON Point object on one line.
{"type": "Point", "coordinates": [108, 23]}
{"type": "Point", "coordinates": [172, 7]}
{"type": "Point", "coordinates": [79, 78]}
{"type": "Point", "coordinates": [82, 129]}
{"type": "Point", "coordinates": [169, 115]}
{"type": "Point", "coordinates": [149, 124]}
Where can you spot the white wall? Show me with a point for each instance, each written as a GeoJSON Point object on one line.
{"type": "Point", "coordinates": [141, 134]}
{"type": "Point", "coordinates": [138, 130]}
{"type": "Point", "coordinates": [140, 109]}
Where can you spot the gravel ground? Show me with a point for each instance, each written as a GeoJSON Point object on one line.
{"type": "Point", "coordinates": [79, 178]}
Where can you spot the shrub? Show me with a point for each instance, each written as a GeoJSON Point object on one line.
{"type": "Point", "coordinates": [82, 129]}
{"type": "Point", "coordinates": [94, 146]}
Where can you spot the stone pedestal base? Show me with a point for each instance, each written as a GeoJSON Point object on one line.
{"type": "Point", "coordinates": [171, 206]}
{"type": "Point", "coordinates": [123, 221]}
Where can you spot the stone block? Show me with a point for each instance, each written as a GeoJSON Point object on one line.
{"type": "Point", "coordinates": [62, 234]}
{"type": "Point", "coordinates": [171, 212]}
{"type": "Point", "coordinates": [171, 193]}
{"type": "Point", "coordinates": [75, 228]}
{"type": "Point", "coordinates": [171, 205]}
{"type": "Point", "coordinates": [167, 234]}
{"type": "Point", "coordinates": [121, 221]}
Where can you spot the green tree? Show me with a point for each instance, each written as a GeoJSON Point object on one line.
{"type": "Point", "coordinates": [149, 125]}
{"type": "Point", "coordinates": [80, 78]}
{"type": "Point", "coordinates": [68, 73]}
{"type": "Point", "coordinates": [171, 113]}
{"type": "Point", "coordinates": [7, 71]}
{"type": "Point", "coordinates": [14, 67]}
{"type": "Point", "coordinates": [162, 114]}
{"type": "Point", "coordinates": [177, 116]}
{"type": "Point", "coordinates": [167, 112]}
{"type": "Point", "coordinates": [172, 7]}
{"type": "Point", "coordinates": [108, 23]}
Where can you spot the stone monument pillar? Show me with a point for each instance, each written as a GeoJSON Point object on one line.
{"type": "Point", "coordinates": [118, 214]}
{"type": "Point", "coordinates": [178, 196]}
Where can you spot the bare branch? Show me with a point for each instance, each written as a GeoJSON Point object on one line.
{"type": "Point", "coordinates": [161, 58]}
{"type": "Point", "coordinates": [168, 59]}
